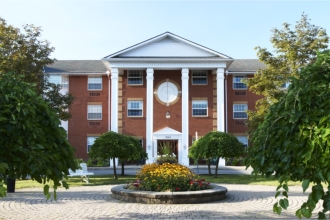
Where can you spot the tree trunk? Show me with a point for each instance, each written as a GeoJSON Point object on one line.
{"type": "Point", "coordinates": [209, 167]}
{"type": "Point", "coordinates": [216, 168]}
{"type": "Point", "coordinates": [122, 168]}
{"type": "Point", "coordinates": [11, 185]}
{"type": "Point", "coordinates": [114, 169]}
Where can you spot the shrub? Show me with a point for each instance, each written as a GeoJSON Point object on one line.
{"type": "Point", "coordinates": [167, 178]}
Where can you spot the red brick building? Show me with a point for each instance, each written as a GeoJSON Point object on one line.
{"type": "Point", "coordinates": [166, 88]}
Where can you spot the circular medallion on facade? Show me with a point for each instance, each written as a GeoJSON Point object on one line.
{"type": "Point", "coordinates": [167, 92]}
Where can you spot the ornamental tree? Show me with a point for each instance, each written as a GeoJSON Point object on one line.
{"type": "Point", "coordinates": [113, 145]}
{"type": "Point", "coordinates": [292, 143]}
{"type": "Point", "coordinates": [32, 141]}
{"type": "Point", "coordinates": [216, 144]}
{"type": "Point", "coordinates": [293, 49]}
{"type": "Point", "coordinates": [24, 54]}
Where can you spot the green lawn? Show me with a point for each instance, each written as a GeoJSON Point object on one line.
{"type": "Point", "coordinates": [109, 180]}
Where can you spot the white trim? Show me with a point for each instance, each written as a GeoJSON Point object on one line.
{"type": "Point", "coordinates": [220, 100]}
{"type": "Point", "coordinates": [114, 99]}
{"type": "Point", "coordinates": [192, 108]}
{"type": "Point", "coordinates": [164, 65]}
{"type": "Point", "coordinates": [128, 108]}
{"type": "Point", "coordinates": [163, 36]}
{"type": "Point", "coordinates": [237, 75]}
{"type": "Point", "coordinates": [149, 115]}
{"type": "Point", "coordinates": [247, 107]}
{"type": "Point", "coordinates": [196, 77]}
{"type": "Point", "coordinates": [183, 159]}
{"type": "Point", "coordinates": [94, 76]}
{"type": "Point", "coordinates": [88, 112]}
{"type": "Point", "coordinates": [128, 77]}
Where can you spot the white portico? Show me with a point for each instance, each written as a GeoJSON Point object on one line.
{"type": "Point", "coordinates": [168, 52]}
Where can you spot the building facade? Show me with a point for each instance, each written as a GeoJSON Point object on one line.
{"type": "Point", "coordinates": [166, 88]}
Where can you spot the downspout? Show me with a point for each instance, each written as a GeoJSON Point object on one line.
{"type": "Point", "coordinates": [108, 74]}
{"type": "Point", "coordinates": [226, 94]}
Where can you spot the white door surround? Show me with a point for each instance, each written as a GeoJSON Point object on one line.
{"type": "Point", "coordinates": [168, 134]}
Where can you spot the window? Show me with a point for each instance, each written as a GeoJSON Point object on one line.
{"type": "Point", "coordinates": [243, 140]}
{"type": "Point", "coordinates": [65, 82]}
{"type": "Point", "coordinates": [134, 108]}
{"type": "Point", "coordinates": [199, 77]}
{"type": "Point", "coordinates": [199, 107]}
{"type": "Point", "coordinates": [94, 112]}
{"type": "Point", "coordinates": [90, 142]}
{"type": "Point", "coordinates": [59, 79]}
{"type": "Point", "coordinates": [240, 111]}
{"type": "Point", "coordinates": [285, 85]}
{"type": "Point", "coordinates": [94, 82]}
{"type": "Point", "coordinates": [237, 82]}
{"type": "Point", "coordinates": [135, 77]}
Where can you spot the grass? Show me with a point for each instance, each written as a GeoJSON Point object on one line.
{"type": "Point", "coordinates": [109, 180]}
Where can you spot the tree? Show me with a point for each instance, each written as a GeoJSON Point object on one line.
{"type": "Point", "coordinates": [216, 144]}
{"type": "Point", "coordinates": [292, 143]}
{"type": "Point", "coordinates": [113, 145]}
{"type": "Point", "coordinates": [294, 49]}
{"type": "Point", "coordinates": [24, 54]}
{"type": "Point", "coordinates": [32, 141]}
{"type": "Point", "coordinates": [137, 152]}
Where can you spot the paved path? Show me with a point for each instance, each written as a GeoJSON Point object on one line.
{"type": "Point", "coordinates": [95, 202]}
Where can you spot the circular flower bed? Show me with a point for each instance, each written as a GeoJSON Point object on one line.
{"type": "Point", "coordinates": [167, 178]}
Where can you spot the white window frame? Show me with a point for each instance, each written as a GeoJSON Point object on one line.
{"type": "Point", "coordinates": [140, 107]}
{"type": "Point", "coordinates": [201, 102]}
{"type": "Point", "coordinates": [139, 76]}
{"type": "Point", "coordinates": [193, 76]}
{"type": "Point", "coordinates": [94, 80]}
{"type": "Point", "coordinates": [244, 140]}
{"type": "Point", "coordinates": [90, 142]}
{"type": "Point", "coordinates": [63, 80]}
{"type": "Point", "coordinates": [240, 111]}
{"type": "Point", "coordinates": [242, 86]}
{"type": "Point", "coordinates": [94, 109]}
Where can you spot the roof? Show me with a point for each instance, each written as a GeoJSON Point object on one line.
{"type": "Point", "coordinates": [166, 35]}
{"type": "Point", "coordinates": [246, 65]}
{"type": "Point", "coordinates": [76, 66]}
{"type": "Point", "coordinates": [97, 66]}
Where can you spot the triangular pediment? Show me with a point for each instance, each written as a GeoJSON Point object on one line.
{"type": "Point", "coordinates": [167, 45]}
{"type": "Point", "coordinates": [167, 131]}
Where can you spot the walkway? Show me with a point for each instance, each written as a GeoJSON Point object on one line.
{"type": "Point", "coordinates": [95, 202]}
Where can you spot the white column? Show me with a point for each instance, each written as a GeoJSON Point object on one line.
{"type": "Point", "coordinates": [221, 106]}
{"type": "Point", "coordinates": [185, 117]}
{"type": "Point", "coordinates": [220, 100]}
{"type": "Point", "coordinates": [150, 114]}
{"type": "Point", "coordinates": [114, 104]}
{"type": "Point", "coordinates": [114, 99]}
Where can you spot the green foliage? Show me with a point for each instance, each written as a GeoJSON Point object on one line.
{"type": "Point", "coordinates": [24, 54]}
{"type": "Point", "coordinates": [216, 144]}
{"type": "Point", "coordinates": [293, 49]}
{"type": "Point", "coordinates": [113, 145]}
{"type": "Point", "coordinates": [32, 141]}
{"type": "Point", "coordinates": [166, 153]}
{"type": "Point", "coordinates": [293, 141]}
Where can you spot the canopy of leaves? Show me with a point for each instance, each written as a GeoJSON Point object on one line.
{"type": "Point", "coordinates": [293, 142]}
{"type": "Point", "coordinates": [24, 54]}
{"type": "Point", "coordinates": [32, 141]}
{"type": "Point", "coordinates": [293, 49]}
{"type": "Point", "coordinates": [113, 145]}
{"type": "Point", "coordinates": [216, 144]}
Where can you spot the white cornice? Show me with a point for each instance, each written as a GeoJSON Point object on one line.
{"type": "Point", "coordinates": [165, 65]}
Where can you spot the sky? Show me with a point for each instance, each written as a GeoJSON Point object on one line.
{"type": "Point", "coordinates": [93, 29]}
